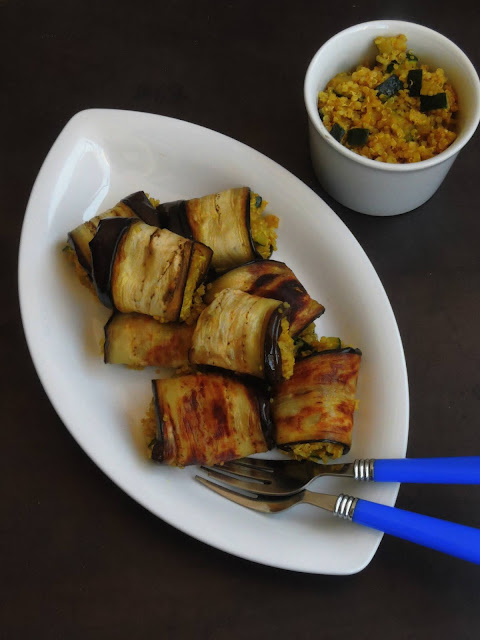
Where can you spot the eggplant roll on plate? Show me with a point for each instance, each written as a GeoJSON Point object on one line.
{"type": "Point", "coordinates": [138, 341]}
{"type": "Point", "coordinates": [313, 410]}
{"type": "Point", "coordinates": [136, 205]}
{"type": "Point", "coordinates": [271, 279]}
{"type": "Point", "coordinates": [245, 334]}
{"type": "Point", "coordinates": [144, 269]}
{"type": "Point", "coordinates": [230, 222]}
{"type": "Point", "coordinates": [206, 419]}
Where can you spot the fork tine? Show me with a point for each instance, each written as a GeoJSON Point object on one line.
{"type": "Point", "coordinates": [257, 503]}
{"type": "Point", "coordinates": [234, 482]}
{"type": "Point", "coordinates": [241, 471]}
{"type": "Point", "coordinates": [257, 463]}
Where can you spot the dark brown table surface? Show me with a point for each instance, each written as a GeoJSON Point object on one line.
{"type": "Point", "coordinates": [80, 559]}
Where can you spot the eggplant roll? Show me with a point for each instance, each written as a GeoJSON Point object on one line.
{"type": "Point", "coordinates": [136, 205]}
{"type": "Point", "coordinates": [143, 269]}
{"type": "Point", "coordinates": [246, 334]}
{"type": "Point", "coordinates": [271, 279]}
{"type": "Point", "coordinates": [207, 419]}
{"type": "Point", "coordinates": [139, 341]}
{"type": "Point", "coordinates": [313, 410]}
{"type": "Point", "coordinates": [230, 222]}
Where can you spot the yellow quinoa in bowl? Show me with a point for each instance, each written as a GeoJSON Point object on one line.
{"type": "Point", "coordinates": [397, 111]}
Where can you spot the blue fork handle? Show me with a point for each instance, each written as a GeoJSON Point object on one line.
{"type": "Point", "coordinates": [428, 470]}
{"type": "Point", "coordinates": [454, 539]}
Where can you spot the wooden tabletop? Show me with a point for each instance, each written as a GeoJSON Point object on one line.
{"type": "Point", "coordinates": [80, 559]}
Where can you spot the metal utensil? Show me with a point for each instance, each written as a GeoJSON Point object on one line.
{"type": "Point", "coordinates": [448, 537]}
{"type": "Point", "coordinates": [283, 477]}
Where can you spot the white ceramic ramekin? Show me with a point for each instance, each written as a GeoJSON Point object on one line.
{"type": "Point", "coordinates": [380, 188]}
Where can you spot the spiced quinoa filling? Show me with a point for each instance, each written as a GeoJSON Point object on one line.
{"type": "Point", "coordinates": [397, 111]}
{"type": "Point", "coordinates": [262, 226]}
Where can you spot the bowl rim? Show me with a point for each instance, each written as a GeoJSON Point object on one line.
{"type": "Point", "coordinates": [402, 26]}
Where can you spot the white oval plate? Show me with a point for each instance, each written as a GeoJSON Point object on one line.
{"type": "Point", "coordinates": [101, 156]}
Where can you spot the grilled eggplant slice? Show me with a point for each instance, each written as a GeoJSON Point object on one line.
{"type": "Point", "coordinates": [313, 410]}
{"type": "Point", "coordinates": [271, 279]}
{"type": "Point", "coordinates": [230, 222]}
{"type": "Point", "coordinates": [207, 418]}
{"type": "Point", "coordinates": [103, 249]}
{"type": "Point", "coordinates": [136, 205]}
{"type": "Point", "coordinates": [138, 341]}
{"type": "Point", "coordinates": [246, 334]}
{"type": "Point", "coordinates": [142, 207]}
{"type": "Point", "coordinates": [144, 269]}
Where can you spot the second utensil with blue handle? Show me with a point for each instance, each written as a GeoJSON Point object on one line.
{"type": "Point", "coordinates": [463, 470]}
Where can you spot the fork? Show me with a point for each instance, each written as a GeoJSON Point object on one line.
{"type": "Point", "coordinates": [283, 477]}
{"type": "Point", "coordinates": [441, 535]}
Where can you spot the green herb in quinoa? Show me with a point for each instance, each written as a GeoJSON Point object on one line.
{"type": "Point", "coordinates": [406, 112]}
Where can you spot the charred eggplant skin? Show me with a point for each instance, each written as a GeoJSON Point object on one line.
{"type": "Point", "coordinates": [316, 404]}
{"type": "Point", "coordinates": [271, 279]}
{"type": "Point", "coordinates": [181, 217]}
{"type": "Point", "coordinates": [173, 216]}
{"type": "Point", "coordinates": [354, 350]}
{"type": "Point", "coordinates": [210, 418]}
{"type": "Point", "coordinates": [142, 207]}
{"type": "Point", "coordinates": [103, 248]}
{"type": "Point", "coordinates": [77, 237]}
{"type": "Point", "coordinates": [248, 223]}
{"type": "Point", "coordinates": [272, 355]}
{"type": "Point", "coordinates": [83, 262]}
{"type": "Point", "coordinates": [134, 205]}
{"type": "Point", "coordinates": [158, 446]}
{"type": "Point", "coordinates": [264, 409]}
{"type": "Point", "coordinates": [262, 392]}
